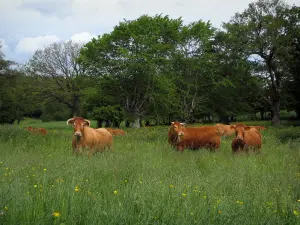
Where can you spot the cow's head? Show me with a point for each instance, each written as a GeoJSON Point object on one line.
{"type": "Point", "coordinates": [240, 131]}
{"type": "Point", "coordinates": [178, 128]}
{"type": "Point", "coordinates": [78, 124]}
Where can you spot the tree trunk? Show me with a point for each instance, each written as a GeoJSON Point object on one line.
{"type": "Point", "coordinates": [99, 123]}
{"type": "Point", "coordinates": [127, 123]}
{"type": "Point", "coordinates": [262, 115]}
{"type": "Point", "coordinates": [275, 113]}
{"type": "Point", "coordinates": [136, 123]}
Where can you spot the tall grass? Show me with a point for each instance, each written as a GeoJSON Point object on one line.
{"type": "Point", "coordinates": [144, 181]}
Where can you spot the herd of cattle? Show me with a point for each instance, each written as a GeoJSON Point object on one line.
{"type": "Point", "coordinates": [247, 138]}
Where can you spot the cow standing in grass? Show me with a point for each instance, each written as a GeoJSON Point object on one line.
{"type": "Point", "coordinates": [37, 130]}
{"type": "Point", "coordinates": [85, 136]}
{"type": "Point", "coordinates": [225, 130]}
{"type": "Point", "coordinates": [195, 137]}
{"type": "Point", "coordinates": [115, 132]}
{"type": "Point", "coordinates": [246, 139]}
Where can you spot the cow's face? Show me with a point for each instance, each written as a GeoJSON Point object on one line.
{"type": "Point", "coordinates": [78, 125]}
{"type": "Point", "coordinates": [178, 128]}
{"type": "Point", "coordinates": [240, 131]}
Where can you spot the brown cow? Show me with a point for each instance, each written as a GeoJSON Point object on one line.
{"type": "Point", "coordinates": [246, 139]}
{"type": "Point", "coordinates": [259, 128]}
{"type": "Point", "coordinates": [172, 134]}
{"type": "Point", "coordinates": [115, 132]}
{"type": "Point", "coordinates": [85, 136]}
{"type": "Point", "coordinates": [225, 130]}
{"type": "Point", "coordinates": [37, 130]}
{"type": "Point", "coordinates": [195, 137]}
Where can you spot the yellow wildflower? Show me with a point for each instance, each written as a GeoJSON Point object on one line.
{"type": "Point", "coordinates": [296, 213]}
{"type": "Point", "coordinates": [6, 208]}
{"type": "Point", "coordinates": [298, 200]}
{"type": "Point", "coordinates": [220, 211]}
{"type": "Point", "coordinates": [238, 202]}
{"type": "Point", "coordinates": [45, 169]}
{"type": "Point", "coordinates": [204, 196]}
{"type": "Point", "coordinates": [35, 186]}
{"type": "Point", "coordinates": [115, 192]}
{"type": "Point", "coordinates": [184, 194]}
{"type": "Point", "coordinates": [125, 181]}
{"type": "Point", "coordinates": [76, 189]}
{"type": "Point", "coordinates": [171, 186]}
{"type": "Point", "coordinates": [56, 214]}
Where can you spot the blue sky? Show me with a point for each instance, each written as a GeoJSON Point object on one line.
{"type": "Point", "coordinates": [28, 25]}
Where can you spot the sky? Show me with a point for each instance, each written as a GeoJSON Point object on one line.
{"type": "Point", "coordinates": [28, 25]}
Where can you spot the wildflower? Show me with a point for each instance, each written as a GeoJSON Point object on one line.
{"type": "Point", "coordinates": [5, 174]}
{"type": "Point", "coordinates": [35, 186]}
{"type": "Point", "coordinates": [6, 208]}
{"type": "Point", "coordinates": [6, 168]}
{"type": "Point", "coordinates": [125, 181]}
{"type": "Point", "coordinates": [141, 182]}
{"type": "Point", "coordinates": [45, 169]}
{"type": "Point", "coordinates": [204, 196]}
{"type": "Point", "coordinates": [76, 189]}
{"type": "Point", "coordinates": [220, 211]}
{"type": "Point", "coordinates": [298, 200]}
{"type": "Point", "coordinates": [1, 162]}
{"type": "Point", "coordinates": [115, 192]}
{"type": "Point", "coordinates": [184, 194]}
{"type": "Point", "coordinates": [218, 201]}
{"type": "Point", "coordinates": [56, 214]}
{"type": "Point", "coordinates": [171, 186]}
{"type": "Point", "coordinates": [238, 202]}
{"type": "Point", "coordinates": [296, 213]}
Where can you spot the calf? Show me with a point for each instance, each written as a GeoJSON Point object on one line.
{"type": "Point", "coordinates": [246, 139]}
{"type": "Point", "coordinates": [85, 136]}
{"type": "Point", "coordinates": [195, 137]}
{"type": "Point", "coordinates": [37, 130]}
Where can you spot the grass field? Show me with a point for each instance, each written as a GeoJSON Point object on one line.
{"type": "Point", "coordinates": [144, 181]}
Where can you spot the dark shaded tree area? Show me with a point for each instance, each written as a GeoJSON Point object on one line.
{"type": "Point", "coordinates": [154, 70]}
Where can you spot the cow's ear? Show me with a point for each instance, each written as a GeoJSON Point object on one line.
{"type": "Point", "coordinates": [183, 124]}
{"type": "Point", "coordinates": [172, 123]}
{"type": "Point", "coordinates": [70, 121]}
{"type": "Point", "coordinates": [247, 128]}
{"type": "Point", "coordinates": [87, 123]}
{"type": "Point", "coordinates": [232, 127]}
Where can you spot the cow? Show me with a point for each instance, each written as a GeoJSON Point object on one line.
{"type": "Point", "coordinates": [115, 132]}
{"type": "Point", "coordinates": [225, 130]}
{"type": "Point", "coordinates": [194, 137]}
{"type": "Point", "coordinates": [85, 136]}
{"type": "Point", "coordinates": [246, 139]}
{"type": "Point", "coordinates": [37, 130]}
{"type": "Point", "coordinates": [259, 128]}
{"type": "Point", "coordinates": [172, 134]}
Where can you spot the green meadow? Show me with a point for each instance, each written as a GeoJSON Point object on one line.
{"type": "Point", "coordinates": [144, 181]}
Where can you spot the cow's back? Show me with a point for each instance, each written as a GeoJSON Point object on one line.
{"type": "Point", "coordinates": [198, 137]}
{"type": "Point", "coordinates": [252, 138]}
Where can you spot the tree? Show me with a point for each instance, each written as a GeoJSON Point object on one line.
{"type": "Point", "coordinates": [131, 56]}
{"type": "Point", "coordinates": [260, 32]}
{"type": "Point", "coordinates": [58, 74]}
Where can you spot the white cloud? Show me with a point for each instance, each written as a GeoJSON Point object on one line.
{"type": "Point", "coordinates": [82, 37]}
{"type": "Point", "coordinates": [29, 45]}
{"type": "Point", "coordinates": [82, 19]}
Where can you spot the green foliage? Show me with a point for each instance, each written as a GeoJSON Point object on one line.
{"type": "Point", "coordinates": [143, 181]}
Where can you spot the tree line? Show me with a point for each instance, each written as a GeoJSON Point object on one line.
{"type": "Point", "coordinates": [158, 69]}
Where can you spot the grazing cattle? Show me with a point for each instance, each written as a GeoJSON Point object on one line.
{"type": "Point", "coordinates": [225, 130]}
{"type": "Point", "coordinates": [194, 137]}
{"type": "Point", "coordinates": [37, 130]}
{"type": "Point", "coordinates": [246, 139]}
{"type": "Point", "coordinates": [115, 132]}
{"type": "Point", "coordinates": [259, 128]}
{"type": "Point", "coordinates": [172, 134]}
{"type": "Point", "coordinates": [85, 136]}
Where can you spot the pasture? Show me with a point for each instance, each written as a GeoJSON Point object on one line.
{"type": "Point", "coordinates": [144, 181]}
